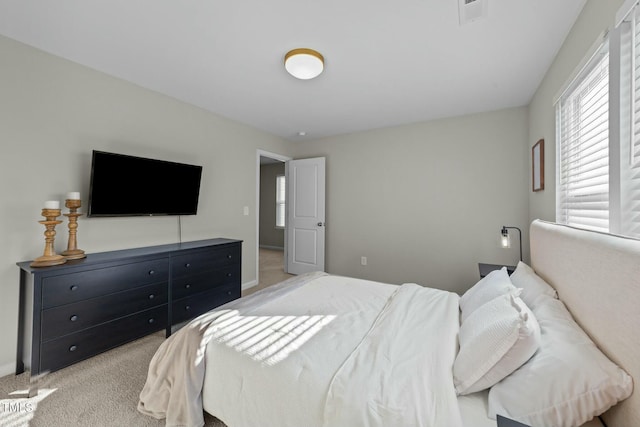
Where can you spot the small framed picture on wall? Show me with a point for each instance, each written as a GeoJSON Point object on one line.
{"type": "Point", "coordinates": [537, 158]}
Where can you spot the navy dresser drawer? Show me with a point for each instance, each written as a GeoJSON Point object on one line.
{"type": "Point", "coordinates": [74, 317]}
{"type": "Point", "coordinates": [72, 348]}
{"type": "Point", "coordinates": [190, 307]}
{"type": "Point", "coordinates": [189, 285]}
{"type": "Point", "coordinates": [74, 287]}
{"type": "Point", "coordinates": [200, 261]}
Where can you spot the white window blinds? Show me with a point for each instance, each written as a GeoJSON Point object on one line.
{"type": "Point", "coordinates": [582, 117]}
{"type": "Point", "coordinates": [634, 153]}
{"type": "Point", "coordinates": [630, 146]}
{"type": "Point", "coordinates": [280, 201]}
{"type": "Point", "coordinates": [598, 144]}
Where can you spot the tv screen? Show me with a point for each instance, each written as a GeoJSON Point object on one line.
{"type": "Point", "coordinates": [124, 185]}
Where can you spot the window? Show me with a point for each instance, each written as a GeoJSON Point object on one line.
{"type": "Point", "coordinates": [280, 201]}
{"type": "Point", "coordinates": [629, 155]}
{"type": "Point", "coordinates": [582, 118]}
{"type": "Point", "coordinates": [598, 135]}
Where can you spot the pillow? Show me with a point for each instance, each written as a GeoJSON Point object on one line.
{"type": "Point", "coordinates": [532, 285]}
{"type": "Point", "coordinates": [493, 285]}
{"type": "Point", "coordinates": [566, 383]}
{"type": "Point", "coordinates": [495, 340]}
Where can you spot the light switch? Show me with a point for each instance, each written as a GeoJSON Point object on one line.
{"type": "Point", "coordinates": [246, 210]}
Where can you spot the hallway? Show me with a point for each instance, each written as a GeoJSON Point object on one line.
{"type": "Point", "coordinates": [271, 265]}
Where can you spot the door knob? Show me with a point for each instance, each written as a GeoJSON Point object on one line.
{"type": "Point", "coordinates": [320, 224]}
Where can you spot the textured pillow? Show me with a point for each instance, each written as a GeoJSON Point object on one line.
{"type": "Point", "coordinates": [532, 286]}
{"type": "Point", "coordinates": [495, 340]}
{"type": "Point", "coordinates": [493, 285]}
{"type": "Point", "coordinates": [566, 383]}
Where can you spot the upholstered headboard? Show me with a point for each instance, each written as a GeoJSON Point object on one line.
{"type": "Point", "coordinates": [597, 276]}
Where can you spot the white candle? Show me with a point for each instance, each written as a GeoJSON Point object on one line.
{"type": "Point", "coordinates": [52, 204]}
{"type": "Point", "coordinates": [74, 195]}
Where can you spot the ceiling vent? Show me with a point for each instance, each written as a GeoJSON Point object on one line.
{"type": "Point", "coordinates": [472, 10]}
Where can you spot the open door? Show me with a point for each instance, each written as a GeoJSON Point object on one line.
{"type": "Point", "coordinates": [305, 215]}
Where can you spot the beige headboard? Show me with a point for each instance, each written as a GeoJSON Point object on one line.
{"type": "Point", "coordinates": [597, 275]}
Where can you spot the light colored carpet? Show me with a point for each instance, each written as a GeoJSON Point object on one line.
{"type": "Point", "coordinates": [271, 266]}
{"type": "Point", "coordinates": [102, 391]}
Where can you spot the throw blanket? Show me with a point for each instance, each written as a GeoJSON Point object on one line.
{"type": "Point", "coordinates": [391, 367]}
{"type": "Point", "coordinates": [173, 389]}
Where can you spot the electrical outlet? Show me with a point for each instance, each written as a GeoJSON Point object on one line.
{"type": "Point", "coordinates": [363, 260]}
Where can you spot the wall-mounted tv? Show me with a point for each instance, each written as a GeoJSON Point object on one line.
{"type": "Point", "coordinates": [123, 185]}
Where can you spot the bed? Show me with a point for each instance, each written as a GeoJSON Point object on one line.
{"type": "Point", "coordinates": [326, 350]}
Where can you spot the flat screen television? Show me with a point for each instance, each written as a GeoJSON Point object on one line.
{"type": "Point", "coordinates": [123, 185]}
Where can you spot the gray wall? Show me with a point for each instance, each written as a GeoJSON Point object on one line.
{"type": "Point", "coordinates": [54, 112]}
{"type": "Point", "coordinates": [425, 202]}
{"type": "Point", "coordinates": [596, 17]}
{"type": "Point", "coordinates": [270, 236]}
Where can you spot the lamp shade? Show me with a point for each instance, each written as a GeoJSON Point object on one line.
{"type": "Point", "coordinates": [304, 63]}
{"type": "Point", "coordinates": [505, 241]}
{"type": "Point", "coordinates": [505, 238]}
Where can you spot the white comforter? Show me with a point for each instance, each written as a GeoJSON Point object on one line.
{"type": "Point", "coordinates": [319, 351]}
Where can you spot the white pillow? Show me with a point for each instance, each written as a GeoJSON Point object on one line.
{"type": "Point", "coordinates": [566, 383]}
{"type": "Point", "coordinates": [532, 285]}
{"type": "Point", "coordinates": [493, 285]}
{"type": "Point", "coordinates": [495, 340]}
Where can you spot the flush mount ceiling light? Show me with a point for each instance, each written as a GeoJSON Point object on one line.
{"type": "Point", "coordinates": [304, 63]}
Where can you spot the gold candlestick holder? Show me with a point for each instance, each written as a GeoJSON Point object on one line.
{"type": "Point", "coordinates": [72, 251]}
{"type": "Point", "coordinates": [49, 257]}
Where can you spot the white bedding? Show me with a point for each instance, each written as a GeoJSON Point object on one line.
{"type": "Point", "coordinates": [350, 344]}
{"type": "Point", "coordinates": [315, 351]}
{"type": "Point", "coordinates": [474, 408]}
{"type": "Point", "coordinates": [356, 352]}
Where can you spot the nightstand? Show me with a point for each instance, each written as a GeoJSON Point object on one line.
{"type": "Point", "coordinates": [488, 268]}
{"type": "Point", "coordinates": [508, 422]}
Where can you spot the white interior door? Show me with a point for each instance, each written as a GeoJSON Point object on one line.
{"type": "Point", "coordinates": [305, 215]}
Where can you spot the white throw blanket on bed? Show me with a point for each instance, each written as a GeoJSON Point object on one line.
{"type": "Point", "coordinates": [173, 389]}
{"type": "Point", "coordinates": [399, 373]}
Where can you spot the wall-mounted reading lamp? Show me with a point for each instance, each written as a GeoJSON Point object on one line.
{"type": "Point", "coordinates": [505, 239]}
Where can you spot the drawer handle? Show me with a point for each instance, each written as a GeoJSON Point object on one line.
{"type": "Point", "coordinates": [152, 272]}
{"type": "Point", "coordinates": [229, 256]}
{"type": "Point", "coordinates": [229, 292]}
{"type": "Point", "coordinates": [73, 288]}
{"type": "Point", "coordinates": [73, 348]}
{"type": "Point", "coordinates": [152, 320]}
{"type": "Point", "coordinates": [187, 265]}
{"type": "Point", "coordinates": [152, 296]}
{"type": "Point", "coordinates": [228, 274]}
{"type": "Point", "coordinates": [73, 318]}
{"type": "Point", "coordinates": [187, 286]}
{"type": "Point", "coordinates": [187, 307]}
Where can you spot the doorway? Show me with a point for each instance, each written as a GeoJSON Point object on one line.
{"type": "Point", "coordinates": [271, 239]}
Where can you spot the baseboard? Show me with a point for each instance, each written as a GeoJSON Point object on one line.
{"type": "Point", "coordinates": [277, 248]}
{"type": "Point", "coordinates": [9, 368]}
{"type": "Point", "coordinates": [250, 284]}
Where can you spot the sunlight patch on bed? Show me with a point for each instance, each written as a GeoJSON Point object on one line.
{"type": "Point", "coordinates": [20, 411]}
{"type": "Point", "coordinates": [266, 339]}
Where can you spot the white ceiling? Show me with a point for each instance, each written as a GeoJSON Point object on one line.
{"type": "Point", "coordinates": [386, 62]}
